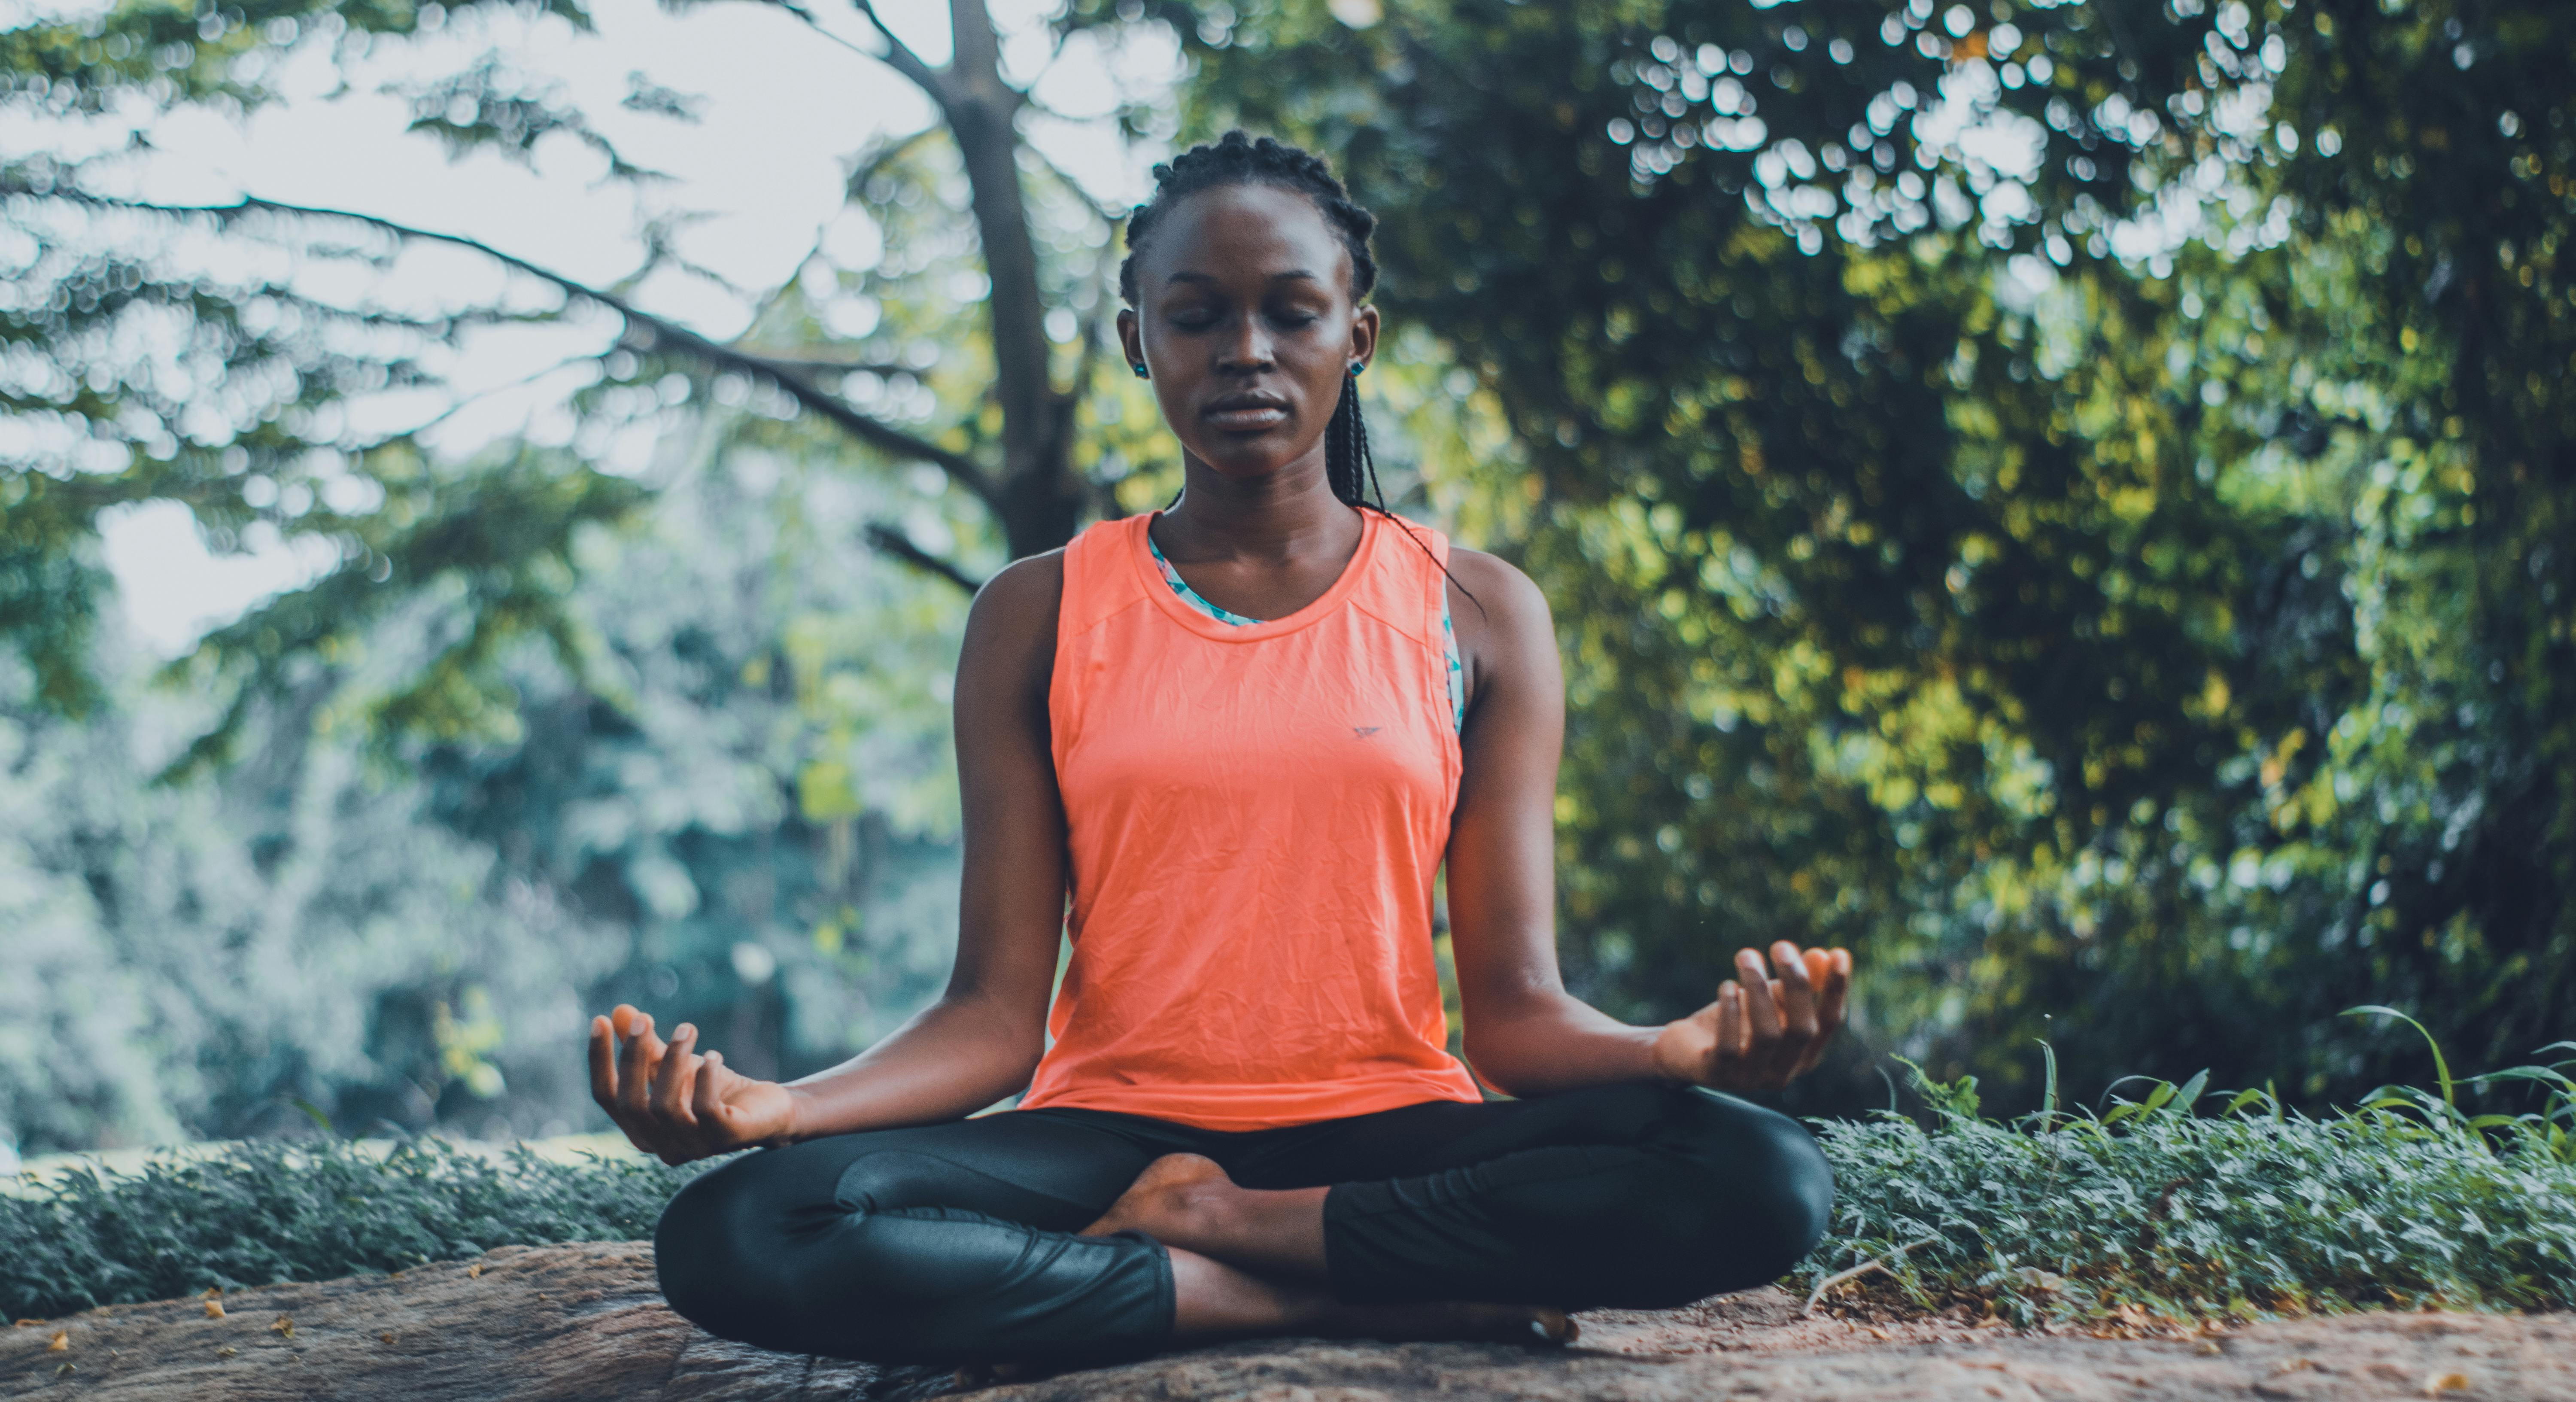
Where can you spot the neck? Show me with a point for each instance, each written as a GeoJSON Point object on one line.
{"type": "Point", "coordinates": [1282, 515]}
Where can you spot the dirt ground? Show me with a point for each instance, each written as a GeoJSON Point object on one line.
{"type": "Point", "coordinates": [585, 1322]}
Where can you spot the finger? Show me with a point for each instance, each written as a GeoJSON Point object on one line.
{"type": "Point", "coordinates": [1836, 986]}
{"type": "Point", "coordinates": [671, 1085]}
{"type": "Point", "coordinates": [1759, 1009]}
{"type": "Point", "coordinates": [1730, 1026]}
{"type": "Point", "coordinates": [603, 1064]}
{"type": "Point", "coordinates": [636, 1064]}
{"type": "Point", "coordinates": [1834, 989]}
{"type": "Point", "coordinates": [703, 1104]}
{"type": "Point", "coordinates": [1798, 993]}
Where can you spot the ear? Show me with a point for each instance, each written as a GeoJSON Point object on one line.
{"type": "Point", "coordinates": [1131, 336]}
{"type": "Point", "coordinates": [1364, 327]}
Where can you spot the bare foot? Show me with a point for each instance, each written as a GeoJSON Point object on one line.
{"type": "Point", "coordinates": [1165, 1198]}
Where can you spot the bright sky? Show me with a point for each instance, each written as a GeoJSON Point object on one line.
{"type": "Point", "coordinates": [781, 110]}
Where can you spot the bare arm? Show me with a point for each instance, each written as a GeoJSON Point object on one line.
{"type": "Point", "coordinates": [1525, 1034]}
{"type": "Point", "coordinates": [981, 1040]}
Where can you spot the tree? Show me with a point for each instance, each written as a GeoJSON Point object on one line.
{"type": "Point", "coordinates": [247, 423]}
{"type": "Point", "coordinates": [636, 733]}
{"type": "Point", "coordinates": [2131, 627]}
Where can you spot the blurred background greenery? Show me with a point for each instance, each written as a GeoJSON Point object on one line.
{"type": "Point", "coordinates": [2075, 501]}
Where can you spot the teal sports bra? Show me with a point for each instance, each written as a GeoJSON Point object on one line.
{"type": "Point", "coordinates": [1448, 635]}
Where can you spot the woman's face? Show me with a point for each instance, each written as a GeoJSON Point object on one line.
{"type": "Point", "coordinates": [1245, 321]}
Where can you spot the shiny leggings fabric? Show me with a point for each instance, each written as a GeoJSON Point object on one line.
{"type": "Point", "coordinates": [955, 1242]}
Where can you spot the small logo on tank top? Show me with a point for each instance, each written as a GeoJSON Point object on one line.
{"type": "Point", "coordinates": [1362, 732]}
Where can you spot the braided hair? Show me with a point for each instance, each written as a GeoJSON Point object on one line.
{"type": "Point", "coordinates": [1241, 159]}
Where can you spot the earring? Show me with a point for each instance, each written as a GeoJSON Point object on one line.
{"type": "Point", "coordinates": [1358, 365]}
{"type": "Point", "coordinates": [1140, 371]}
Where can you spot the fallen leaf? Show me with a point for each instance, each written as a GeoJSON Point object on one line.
{"type": "Point", "coordinates": [388, 1338]}
{"type": "Point", "coordinates": [62, 1342]}
{"type": "Point", "coordinates": [2207, 1346]}
{"type": "Point", "coordinates": [58, 1372]}
{"type": "Point", "coordinates": [2447, 1382]}
{"type": "Point", "coordinates": [214, 1309]}
{"type": "Point", "coordinates": [214, 1292]}
{"type": "Point", "coordinates": [474, 1271]}
{"type": "Point", "coordinates": [284, 1326]}
{"type": "Point", "coordinates": [226, 1351]}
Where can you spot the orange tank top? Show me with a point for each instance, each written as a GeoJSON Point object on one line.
{"type": "Point", "coordinates": [1254, 814]}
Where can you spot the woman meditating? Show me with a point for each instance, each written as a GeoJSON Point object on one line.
{"type": "Point", "coordinates": [1242, 735]}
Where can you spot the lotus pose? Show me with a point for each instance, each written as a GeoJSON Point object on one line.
{"type": "Point", "coordinates": [1241, 736]}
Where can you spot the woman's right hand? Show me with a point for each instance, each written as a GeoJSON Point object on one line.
{"type": "Point", "coordinates": [673, 1102]}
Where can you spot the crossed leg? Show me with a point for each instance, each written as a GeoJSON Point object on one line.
{"type": "Point", "coordinates": [1071, 1236]}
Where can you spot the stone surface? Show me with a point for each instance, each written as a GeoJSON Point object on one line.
{"type": "Point", "coordinates": [585, 1322]}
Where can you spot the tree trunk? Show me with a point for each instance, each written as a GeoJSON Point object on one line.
{"type": "Point", "coordinates": [1041, 501]}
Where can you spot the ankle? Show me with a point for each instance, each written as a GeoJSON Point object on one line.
{"type": "Point", "coordinates": [1207, 1211]}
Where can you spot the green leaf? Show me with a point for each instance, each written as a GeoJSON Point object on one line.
{"type": "Point", "coordinates": [2441, 1065]}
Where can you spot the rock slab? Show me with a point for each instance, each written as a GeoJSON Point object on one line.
{"type": "Point", "coordinates": [582, 1322]}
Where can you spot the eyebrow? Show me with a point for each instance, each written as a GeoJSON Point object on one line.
{"type": "Point", "coordinates": [1292, 273]}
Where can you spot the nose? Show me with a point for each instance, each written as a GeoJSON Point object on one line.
{"type": "Point", "coordinates": [1246, 346]}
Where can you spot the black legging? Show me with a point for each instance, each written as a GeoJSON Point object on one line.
{"type": "Point", "coordinates": [954, 1242]}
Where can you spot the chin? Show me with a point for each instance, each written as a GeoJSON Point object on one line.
{"type": "Point", "coordinates": [1249, 457]}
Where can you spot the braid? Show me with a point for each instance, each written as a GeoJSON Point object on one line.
{"type": "Point", "coordinates": [1239, 158]}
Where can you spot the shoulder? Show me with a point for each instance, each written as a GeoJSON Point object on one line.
{"type": "Point", "coordinates": [1506, 639]}
{"type": "Point", "coordinates": [1033, 584]}
{"type": "Point", "coordinates": [1491, 594]}
{"type": "Point", "coordinates": [1011, 625]}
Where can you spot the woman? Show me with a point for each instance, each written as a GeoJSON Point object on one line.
{"type": "Point", "coordinates": [1243, 734]}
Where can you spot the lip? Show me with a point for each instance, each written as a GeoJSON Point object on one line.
{"type": "Point", "coordinates": [1251, 420]}
{"type": "Point", "coordinates": [1246, 412]}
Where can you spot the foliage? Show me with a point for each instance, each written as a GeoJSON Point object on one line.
{"type": "Point", "coordinates": [762, 813]}
{"type": "Point", "coordinates": [753, 829]}
{"type": "Point", "coordinates": [185, 957]}
{"type": "Point", "coordinates": [139, 368]}
{"type": "Point", "coordinates": [2068, 498]}
{"type": "Point", "coordinates": [241, 357]}
{"type": "Point", "coordinates": [632, 712]}
{"type": "Point", "coordinates": [2151, 1216]}
{"type": "Point", "coordinates": [256, 1213]}
{"type": "Point", "coordinates": [2060, 497]}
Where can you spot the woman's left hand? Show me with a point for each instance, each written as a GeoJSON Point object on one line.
{"type": "Point", "coordinates": [1767, 1027]}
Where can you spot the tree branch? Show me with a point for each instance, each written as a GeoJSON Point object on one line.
{"type": "Point", "coordinates": [665, 335]}
{"type": "Point", "coordinates": [898, 55]}
{"type": "Point", "coordinates": [889, 539]}
{"type": "Point", "coordinates": [811, 363]}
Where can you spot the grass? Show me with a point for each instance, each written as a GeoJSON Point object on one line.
{"type": "Point", "coordinates": [259, 1212]}
{"type": "Point", "coordinates": [2173, 1210]}
{"type": "Point", "coordinates": [2158, 1214]}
